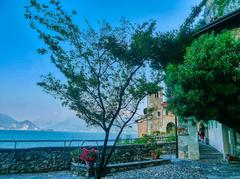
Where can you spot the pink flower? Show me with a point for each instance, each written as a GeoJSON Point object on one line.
{"type": "Point", "coordinates": [89, 155]}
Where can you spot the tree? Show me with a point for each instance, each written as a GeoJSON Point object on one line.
{"type": "Point", "coordinates": [207, 84]}
{"type": "Point", "coordinates": [100, 86]}
{"type": "Point", "coordinates": [170, 47]}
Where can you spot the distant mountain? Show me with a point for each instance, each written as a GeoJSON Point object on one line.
{"type": "Point", "coordinates": [6, 120]}
{"type": "Point", "coordinates": [8, 123]}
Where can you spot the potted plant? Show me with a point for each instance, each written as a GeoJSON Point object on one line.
{"type": "Point", "coordinates": [75, 155]}
{"type": "Point", "coordinates": [155, 153]}
{"type": "Point", "coordinates": [89, 157]}
{"type": "Point", "coordinates": [232, 159]}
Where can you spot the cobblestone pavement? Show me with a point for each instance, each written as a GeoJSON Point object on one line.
{"type": "Point", "coordinates": [209, 169]}
{"type": "Point", "coordinates": [215, 169]}
{"type": "Point", "coordinates": [169, 171]}
{"type": "Point", "coordinates": [177, 170]}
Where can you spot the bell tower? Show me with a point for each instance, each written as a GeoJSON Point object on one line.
{"type": "Point", "coordinates": [154, 106]}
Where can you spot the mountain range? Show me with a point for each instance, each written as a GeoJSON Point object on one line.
{"type": "Point", "coordinates": [8, 123]}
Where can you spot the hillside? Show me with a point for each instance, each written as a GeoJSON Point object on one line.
{"type": "Point", "coordinates": [8, 123]}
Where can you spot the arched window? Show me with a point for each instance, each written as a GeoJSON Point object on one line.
{"type": "Point", "coordinates": [170, 127]}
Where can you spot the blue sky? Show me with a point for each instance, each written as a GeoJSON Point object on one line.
{"type": "Point", "coordinates": [21, 67]}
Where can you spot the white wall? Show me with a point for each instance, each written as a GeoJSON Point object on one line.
{"type": "Point", "coordinates": [215, 134]}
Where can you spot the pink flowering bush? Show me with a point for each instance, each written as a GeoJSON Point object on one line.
{"type": "Point", "coordinates": [89, 155]}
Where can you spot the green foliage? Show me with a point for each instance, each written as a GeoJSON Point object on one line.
{"type": "Point", "coordinates": [207, 84]}
{"type": "Point", "coordinates": [146, 139]}
{"type": "Point", "coordinates": [142, 140]}
{"type": "Point", "coordinates": [157, 151]}
{"type": "Point", "coordinates": [200, 23]}
{"type": "Point", "coordinates": [128, 140]}
{"type": "Point", "coordinates": [148, 110]}
{"type": "Point", "coordinates": [171, 138]}
{"type": "Point", "coordinates": [76, 153]}
{"type": "Point", "coordinates": [99, 85]}
{"type": "Point", "coordinates": [149, 138]}
{"type": "Point", "coordinates": [145, 110]}
{"type": "Point", "coordinates": [221, 4]}
{"type": "Point", "coordinates": [162, 53]}
{"type": "Point", "coordinates": [170, 47]}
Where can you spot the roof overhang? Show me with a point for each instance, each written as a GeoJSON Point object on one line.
{"type": "Point", "coordinates": [229, 21]}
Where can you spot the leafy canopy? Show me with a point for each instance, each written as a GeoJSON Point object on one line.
{"type": "Point", "coordinates": [207, 84]}
{"type": "Point", "coordinates": [100, 86]}
{"type": "Point", "coordinates": [104, 68]}
{"type": "Point", "coordinates": [170, 47]}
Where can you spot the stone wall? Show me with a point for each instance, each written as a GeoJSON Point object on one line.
{"type": "Point", "coordinates": [37, 160]}
{"type": "Point", "coordinates": [34, 160]}
{"type": "Point", "coordinates": [188, 141]}
{"type": "Point", "coordinates": [142, 126]}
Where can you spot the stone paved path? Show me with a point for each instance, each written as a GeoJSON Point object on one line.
{"type": "Point", "coordinates": [186, 170]}
{"type": "Point", "coordinates": [170, 171]}
{"type": "Point", "coordinates": [177, 170]}
{"type": "Point", "coordinates": [215, 169]}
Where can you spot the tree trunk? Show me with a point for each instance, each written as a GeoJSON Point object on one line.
{"type": "Point", "coordinates": [114, 146]}
{"type": "Point", "coordinates": [101, 169]}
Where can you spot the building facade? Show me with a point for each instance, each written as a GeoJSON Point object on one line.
{"type": "Point", "coordinates": [157, 118]}
{"type": "Point", "coordinates": [219, 136]}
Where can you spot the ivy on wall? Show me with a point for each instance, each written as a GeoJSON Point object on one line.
{"type": "Point", "coordinates": [221, 4]}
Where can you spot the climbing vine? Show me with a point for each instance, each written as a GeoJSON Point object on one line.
{"type": "Point", "coordinates": [221, 4]}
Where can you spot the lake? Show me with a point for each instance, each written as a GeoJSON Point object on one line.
{"type": "Point", "coordinates": [16, 135]}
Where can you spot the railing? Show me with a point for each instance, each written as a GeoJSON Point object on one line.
{"type": "Point", "coordinates": [68, 143]}
{"type": "Point", "coordinates": [23, 144]}
{"type": "Point", "coordinates": [20, 144]}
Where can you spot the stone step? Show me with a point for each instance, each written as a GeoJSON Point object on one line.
{"type": "Point", "coordinates": [212, 153]}
{"type": "Point", "coordinates": [212, 157]}
{"type": "Point", "coordinates": [207, 148]}
{"type": "Point", "coordinates": [208, 152]}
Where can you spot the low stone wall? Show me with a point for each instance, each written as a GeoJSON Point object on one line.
{"type": "Point", "coordinates": [34, 160]}
{"type": "Point", "coordinates": [131, 153]}
{"type": "Point", "coordinates": [45, 159]}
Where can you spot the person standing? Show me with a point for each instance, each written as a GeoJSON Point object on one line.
{"type": "Point", "coordinates": [201, 133]}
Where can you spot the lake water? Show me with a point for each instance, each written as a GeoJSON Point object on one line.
{"type": "Point", "coordinates": [16, 135]}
